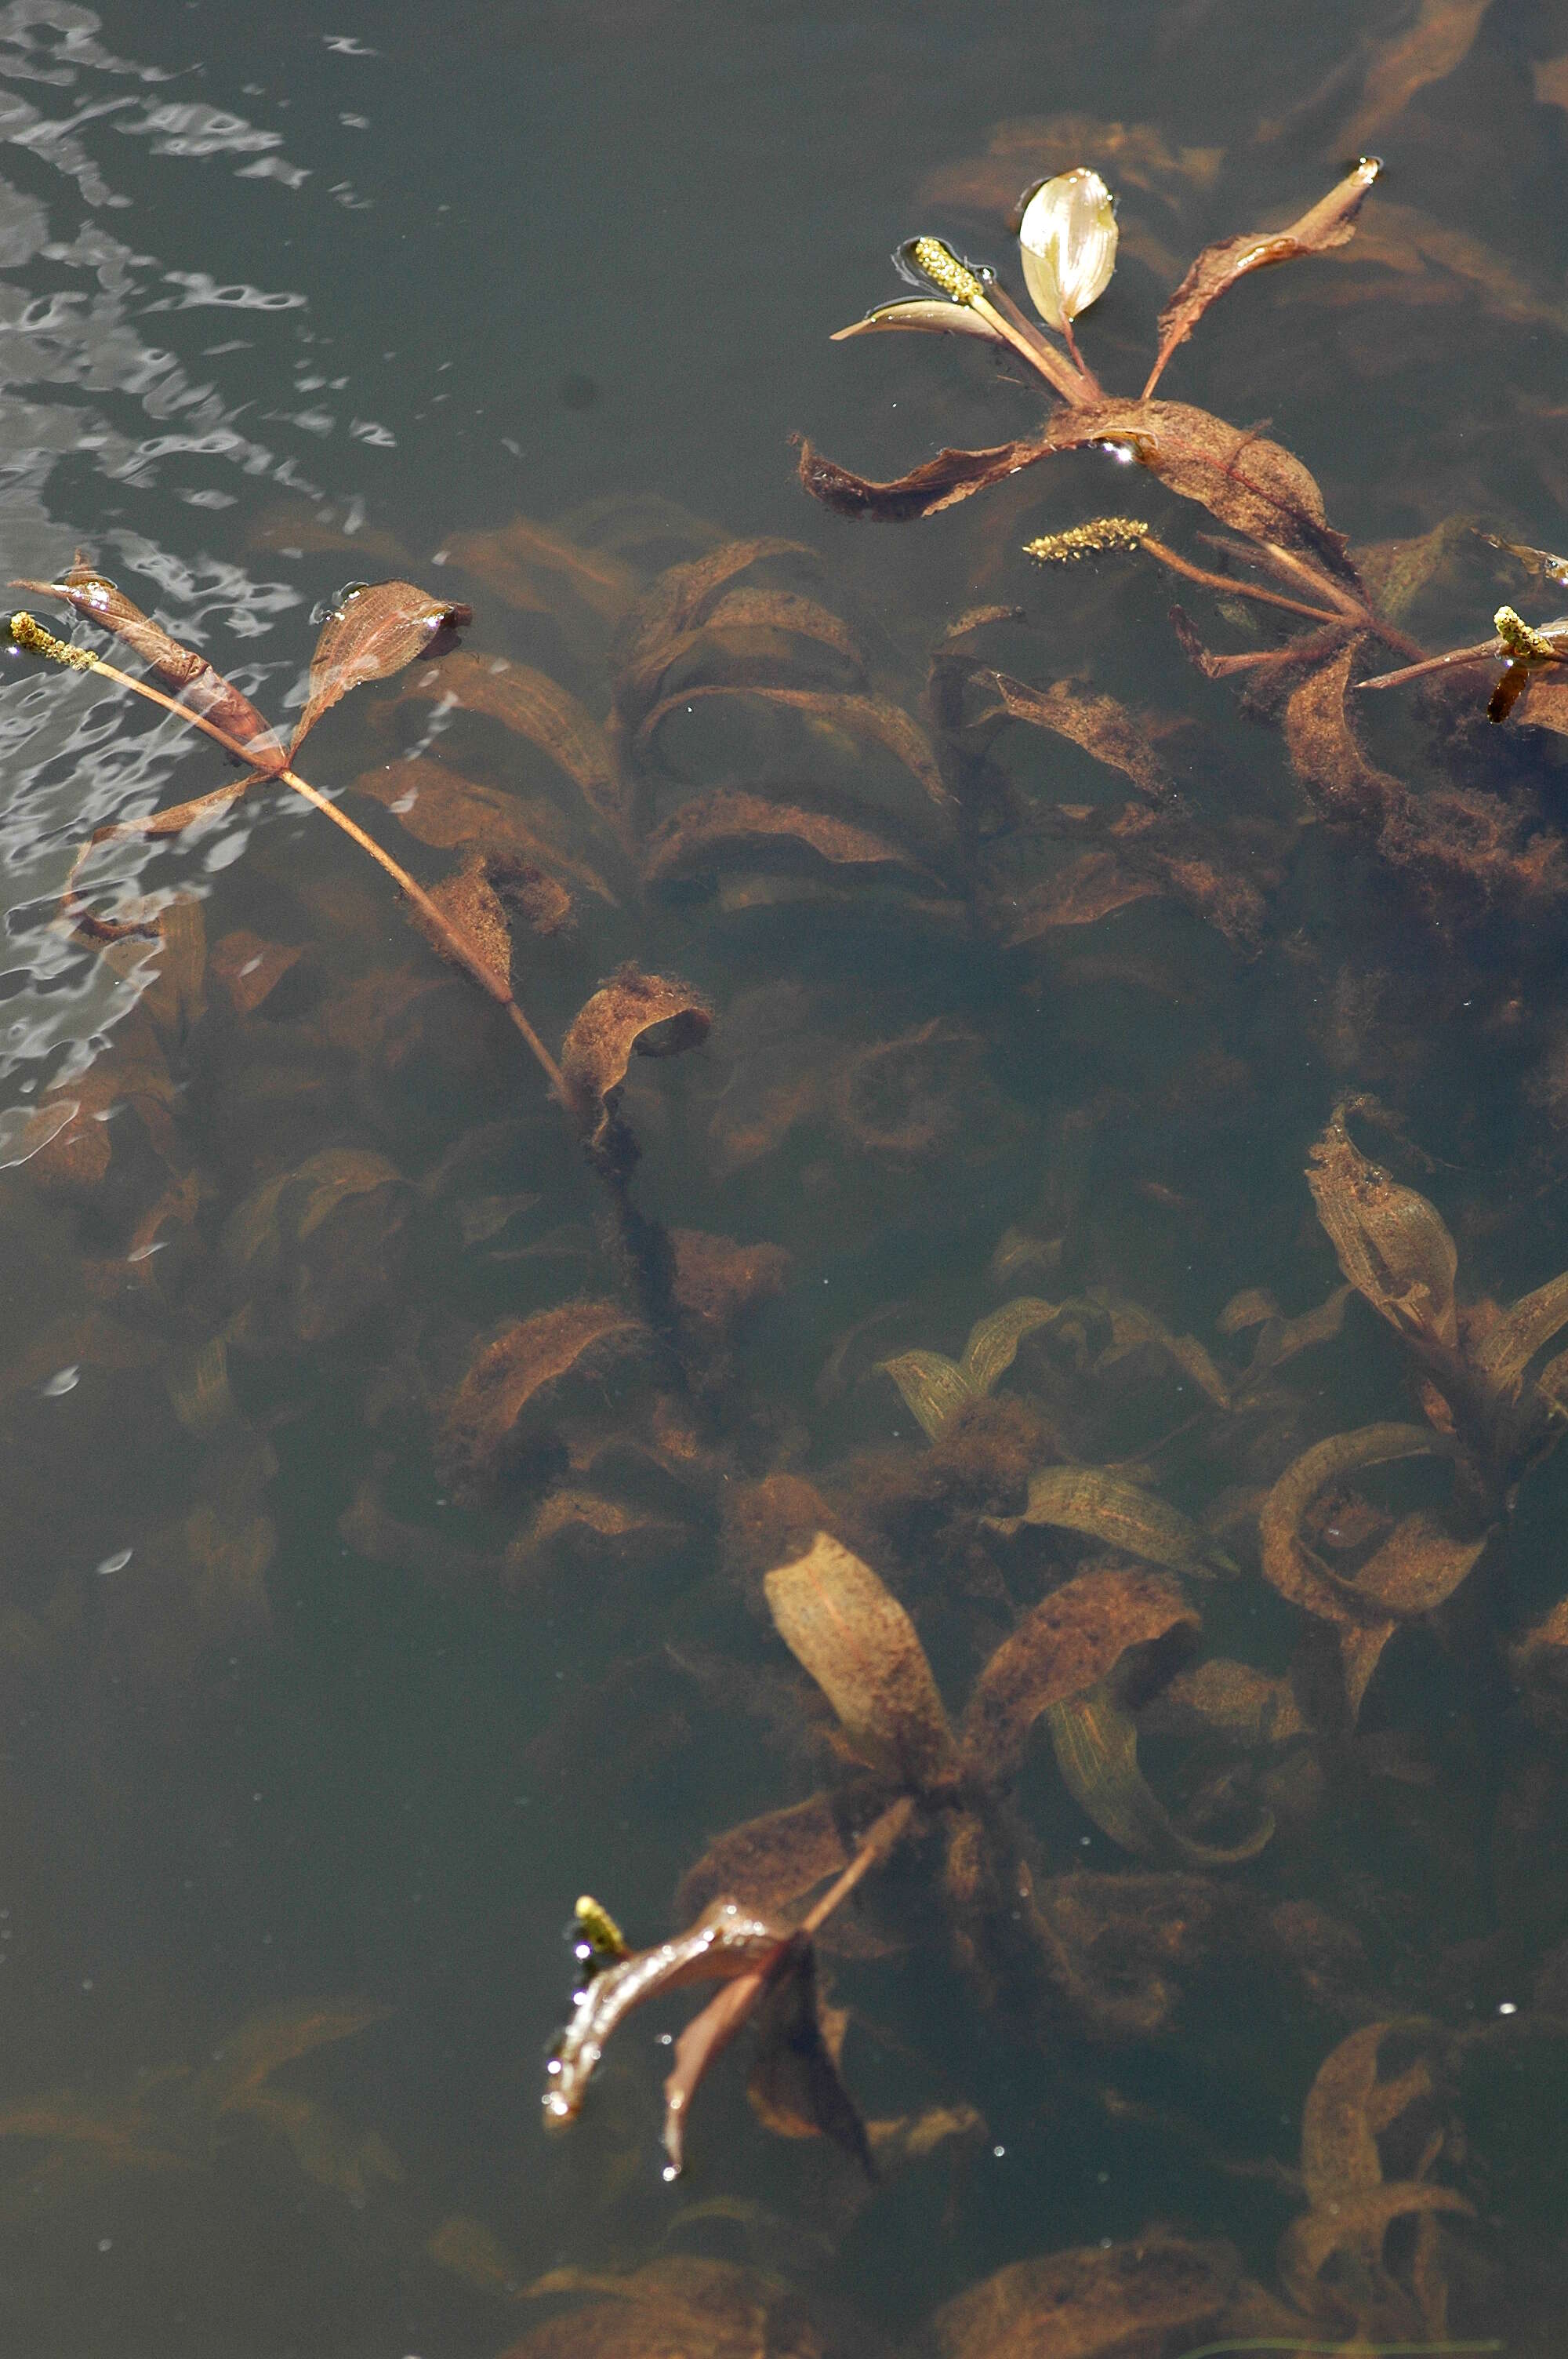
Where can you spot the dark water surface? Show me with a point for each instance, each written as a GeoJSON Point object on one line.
{"type": "Point", "coordinates": [322, 1701]}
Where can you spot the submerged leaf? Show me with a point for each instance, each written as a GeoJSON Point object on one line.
{"type": "Point", "coordinates": [1357, 2222]}
{"type": "Point", "coordinates": [728, 828]}
{"type": "Point", "coordinates": [1347, 2105]}
{"type": "Point", "coordinates": [376, 630]}
{"type": "Point", "coordinates": [190, 676]}
{"type": "Point", "coordinates": [635, 1015]}
{"type": "Point", "coordinates": [451, 813]}
{"type": "Point", "coordinates": [1106, 1506]}
{"type": "Point", "coordinates": [935, 1388]}
{"type": "Point", "coordinates": [1098, 724]}
{"type": "Point", "coordinates": [1157, 2295]}
{"type": "Point", "coordinates": [859, 1646]}
{"type": "Point", "coordinates": [535, 707]}
{"type": "Point", "coordinates": [1096, 1744]}
{"type": "Point", "coordinates": [1330, 223]}
{"type": "Point", "coordinates": [1438, 42]}
{"type": "Point", "coordinates": [1513, 1339]}
{"type": "Point", "coordinates": [515, 1373]}
{"type": "Point", "coordinates": [508, 559]}
{"type": "Point", "coordinates": [1072, 1640]}
{"type": "Point", "coordinates": [870, 717]}
{"type": "Point", "coordinates": [1393, 1247]}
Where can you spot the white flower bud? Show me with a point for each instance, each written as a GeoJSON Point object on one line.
{"type": "Point", "coordinates": [1067, 241]}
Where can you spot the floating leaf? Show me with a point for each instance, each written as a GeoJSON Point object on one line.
{"type": "Point", "coordinates": [533, 706]}
{"type": "Point", "coordinates": [1096, 1744]}
{"type": "Point", "coordinates": [869, 717]}
{"type": "Point", "coordinates": [376, 630]}
{"type": "Point", "coordinates": [1096, 2301]}
{"type": "Point", "coordinates": [1072, 1640]}
{"type": "Point", "coordinates": [1330, 223]}
{"type": "Point", "coordinates": [859, 1646]}
{"type": "Point", "coordinates": [190, 676]}
{"type": "Point", "coordinates": [1106, 1506]}
{"type": "Point", "coordinates": [516, 1373]}
{"type": "Point", "coordinates": [1067, 245]}
{"type": "Point", "coordinates": [728, 827]}
{"type": "Point", "coordinates": [938, 483]}
{"type": "Point", "coordinates": [930, 314]}
{"type": "Point", "coordinates": [635, 1015]}
{"type": "Point", "coordinates": [1393, 1247]}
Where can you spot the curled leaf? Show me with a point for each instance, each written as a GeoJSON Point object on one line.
{"type": "Point", "coordinates": [1096, 1744]}
{"type": "Point", "coordinates": [936, 1388]}
{"type": "Point", "coordinates": [1393, 1247]}
{"type": "Point", "coordinates": [1072, 1640]}
{"type": "Point", "coordinates": [451, 813]}
{"type": "Point", "coordinates": [1513, 1339]}
{"type": "Point", "coordinates": [1067, 245]}
{"type": "Point", "coordinates": [535, 707]}
{"type": "Point", "coordinates": [1108, 1508]}
{"type": "Point", "coordinates": [1348, 2105]}
{"type": "Point", "coordinates": [190, 676]}
{"type": "Point", "coordinates": [373, 631]}
{"type": "Point", "coordinates": [634, 1014]}
{"type": "Point", "coordinates": [1098, 724]}
{"type": "Point", "coordinates": [859, 1646]}
{"type": "Point", "coordinates": [1159, 2294]}
{"type": "Point", "coordinates": [728, 828]}
{"type": "Point", "coordinates": [1358, 2224]}
{"type": "Point", "coordinates": [1330, 223]}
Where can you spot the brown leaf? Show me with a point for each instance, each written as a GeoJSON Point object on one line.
{"type": "Point", "coordinates": [1329, 760]}
{"type": "Point", "coordinates": [1108, 1508]}
{"type": "Point", "coordinates": [1439, 41]}
{"type": "Point", "coordinates": [744, 613]}
{"type": "Point", "coordinates": [683, 2308]}
{"type": "Point", "coordinates": [1550, 77]}
{"type": "Point", "coordinates": [249, 2056]}
{"type": "Point", "coordinates": [1159, 2294]}
{"type": "Point", "coordinates": [451, 813]}
{"type": "Point", "coordinates": [377, 629]}
{"type": "Point", "coordinates": [794, 2086]}
{"type": "Point", "coordinates": [869, 717]}
{"type": "Point", "coordinates": [730, 828]}
{"type": "Point", "coordinates": [1092, 887]}
{"type": "Point", "coordinates": [717, 1284]}
{"type": "Point", "coordinates": [769, 1865]}
{"type": "Point", "coordinates": [509, 561]}
{"type": "Point", "coordinates": [469, 901]}
{"type": "Point", "coordinates": [250, 969]}
{"type": "Point", "coordinates": [1330, 223]}
{"type": "Point", "coordinates": [516, 1373]}
{"type": "Point", "coordinates": [1347, 2105]}
{"type": "Point", "coordinates": [634, 1014]}
{"type": "Point", "coordinates": [1513, 1339]}
{"type": "Point", "coordinates": [1097, 724]}
{"type": "Point", "coordinates": [1257, 487]}
{"type": "Point", "coordinates": [190, 676]}
{"type": "Point", "coordinates": [533, 706]}
{"type": "Point", "coordinates": [1393, 1247]}
{"type": "Point", "coordinates": [1130, 155]}
{"type": "Point", "coordinates": [951, 477]}
{"type": "Point", "coordinates": [1096, 1744]}
{"type": "Point", "coordinates": [1356, 2221]}
{"type": "Point", "coordinates": [676, 606]}
{"type": "Point", "coordinates": [859, 1646]}
{"type": "Point", "coordinates": [1073, 1639]}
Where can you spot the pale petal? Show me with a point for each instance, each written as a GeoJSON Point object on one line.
{"type": "Point", "coordinates": [1067, 245]}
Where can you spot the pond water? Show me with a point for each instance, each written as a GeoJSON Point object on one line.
{"type": "Point", "coordinates": [394, 1456]}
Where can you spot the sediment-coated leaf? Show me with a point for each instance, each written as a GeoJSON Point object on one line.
{"type": "Point", "coordinates": [941, 481]}
{"type": "Point", "coordinates": [469, 901]}
{"type": "Point", "coordinates": [768, 1865]}
{"type": "Point", "coordinates": [1290, 1564]}
{"type": "Point", "coordinates": [1106, 1506]}
{"type": "Point", "coordinates": [1330, 223]}
{"type": "Point", "coordinates": [1393, 1247]}
{"type": "Point", "coordinates": [509, 559]}
{"type": "Point", "coordinates": [1071, 1641]}
{"type": "Point", "coordinates": [1098, 724]}
{"type": "Point", "coordinates": [1329, 760]}
{"type": "Point", "coordinates": [515, 1373]}
{"type": "Point", "coordinates": [1348, 2107]}
{"type": "Point", "coordinates": [676, 605]}
{"type": "Point", "coordinates": [535, 707]}
{"type": "Point", "coordinates": [1427, 51]}
{"type": "Point", "coordinates": [634, 1014]}
{"type": "Point", "coordinates": [1096, 1744]}
{"type": "Point", "coordinates": [1357, 2222]}
{"type": "Point", "coordinates": [935, 1388]}
{"type": "Point", "coordinates": [1418, 1567]}
{"type": "Point", "coordinates": [729, 827]}
{"type": "Point", "coordinates": [859, 1646]}
{"type": "Point", "coordinates": [1158, 2295]}
{"type": "Point", "coordinates": [871, 718]}
{"type": "Point", "coordinates": [1257, 487]}
{"type": "Point", "coordinates": [1513, 1339]}
{"type": "Point", "coordinates": [376, 630]}
{"type": "Point", "coordinates": [748, 609]}
{"type": "Point", "coordinates": [1093, 886]}
{"type": "Point", "coordinates": [190, 675]}
{"type": "Point", "coordinates": [1280, 1339]}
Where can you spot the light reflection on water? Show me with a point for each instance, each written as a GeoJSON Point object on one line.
{"type": "Point", "coordinates": [307, 1752]}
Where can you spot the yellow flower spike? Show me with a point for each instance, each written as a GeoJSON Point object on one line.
{"type": "Point", "coordinates": [938, 264]}
{"type": "Point", "coordinates": [29, 633]}
{"type": "Point", "coordinates": [1086, 540]}
{"type": "Point", "coordinates": [1525, 645]}
{"type": "Point", "coordinates": [603, 1934]}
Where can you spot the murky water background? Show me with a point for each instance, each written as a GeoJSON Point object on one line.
{"type": "Point", "coordinates": [299, 1737]}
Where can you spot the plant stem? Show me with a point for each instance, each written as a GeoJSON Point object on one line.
{"type": "Point", "coordinates": [431, 911]}
{"type": "Point", "coordinates": [1232, 588]}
